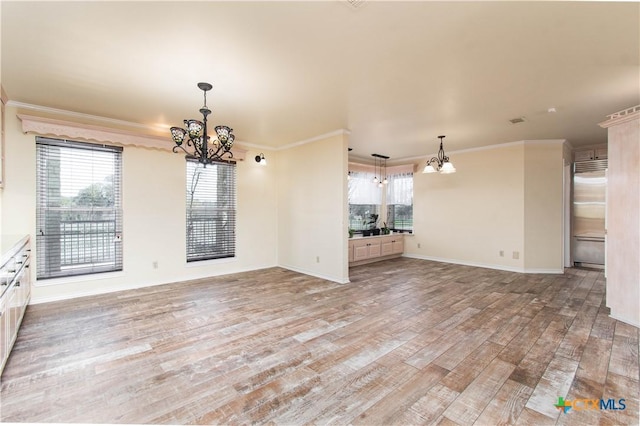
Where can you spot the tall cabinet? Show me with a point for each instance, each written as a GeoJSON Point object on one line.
{"type": "Point", "coordinates": [623, 215]}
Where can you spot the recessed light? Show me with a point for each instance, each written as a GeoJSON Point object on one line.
{"type": "Point", "coordinates": [551, 110]}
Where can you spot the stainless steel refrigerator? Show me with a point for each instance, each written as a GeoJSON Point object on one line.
{"type": "Point", "coordinates": [589, 208]}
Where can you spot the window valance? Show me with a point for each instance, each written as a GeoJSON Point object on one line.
{"type": "Point", "coordinates": [43, 126]}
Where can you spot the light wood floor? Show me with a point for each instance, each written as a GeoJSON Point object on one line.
{"type": "Point", "coordinates": [406, 342]}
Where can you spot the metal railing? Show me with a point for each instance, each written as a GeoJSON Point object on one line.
{"type": "Point", "coordinates": [87, 242]}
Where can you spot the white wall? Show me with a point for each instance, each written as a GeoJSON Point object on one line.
{"type": "Point", "coordinates": [504, 198]}
{"type": "Point", "coordinates": [470, 216]}
{"type": "Point", "coordinates": [543, 206]}
{"type": "Point", "coordinates": [312, 208]}
{"type": "Point", "coordinates": [154, 218]}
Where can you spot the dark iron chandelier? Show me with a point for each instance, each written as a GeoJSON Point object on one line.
{"type": "Point", "coordinates": [440, 163]}
{"type": "Point", "coordinates": [383, 178]}
{"type": "Point", "coordinates": [199, 142]}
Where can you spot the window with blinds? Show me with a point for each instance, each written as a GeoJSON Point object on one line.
{"type": "Point", "coordinates": [79, 208]}
{"type": "Point", "coordinates": [365, 199]}
{"type": "Point", "coordinates": [211, 210]}
{"type": "Point", "coordinates": [400, 202]}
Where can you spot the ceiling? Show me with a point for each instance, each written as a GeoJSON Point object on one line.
{"type": "Point", "coordinates": [395, 74]}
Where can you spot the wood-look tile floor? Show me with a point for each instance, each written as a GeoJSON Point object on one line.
{"type": "Point", "coordinates": [406, 342]}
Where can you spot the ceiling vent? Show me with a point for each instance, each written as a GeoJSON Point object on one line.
{"type": "Point", "coordinates": [355, 3]}
{"type": "Point", "coordinates": [517, 120]}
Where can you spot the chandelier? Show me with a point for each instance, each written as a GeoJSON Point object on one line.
{"type": "Point", "coordinates": [199, 145]}
{"type": "Point", "coordinates": [440, 163]}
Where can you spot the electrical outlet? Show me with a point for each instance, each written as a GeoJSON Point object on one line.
{"type": "Point", "coordinates": [418, 245]}
{"type": "Point", "coordinates": [155, 264]}
{"type": "Point", "coordinates": [501, 253]}
{"type": "Point", "coordinates": [516, 255]}
{"type": "Point", "coordinates": [317, 259]}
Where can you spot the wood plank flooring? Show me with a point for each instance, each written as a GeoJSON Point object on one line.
{"type": "Point", "coordinates": [406, 342]}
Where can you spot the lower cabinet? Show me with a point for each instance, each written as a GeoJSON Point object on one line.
{"type": "Point", "coordinates": [365, 249]}
{"type": "Point", "coordinates": [4, 331]}
{"type": "Point", "coordinates": [15, 292]}
{"type": "Point", "coordinates": [372, 249]}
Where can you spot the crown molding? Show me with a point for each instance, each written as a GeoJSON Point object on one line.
{"type": "Point", "coordinates": [620, 117]}
{"type": "Point", "coordinates": [482, 148]}
{"type": "Point", "coordinates": [70, 130]}
{"type": "Point", "coordinates": [83, 116]}
{"type": "Point", "coordinates": [314, 139]}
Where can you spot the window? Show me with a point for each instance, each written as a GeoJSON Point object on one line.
{"type": "Point", "coordinates": [79, 208]}
{"type": "Point", "coordinates": [211, 210]}
{"type": "Point", "coordinates": [400, 202]}
{"type": "Point", "coordinates": [364, 199]}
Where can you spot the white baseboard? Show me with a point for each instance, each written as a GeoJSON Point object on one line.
{"type": "Point", "coordinates": [625, 320]}
{"type": "Point", "coordinates": [91, 292]}
{"type": "Point", "coordinates": [96, 291]}
{"type": "Point", "coordinates": [544, 271]}
{"type": "Point", "coordinates": [338, 280]}
{"type": "Point", "coordinates": [485, 265]}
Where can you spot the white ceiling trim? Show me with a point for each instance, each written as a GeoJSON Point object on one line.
{"type": "Point", "coordinates": [70, 130]}
{"type": "Point", "coordinates": [315, 139]}
{"type": "Point", "coordinates": [390, 170]}
{"type": "Point", "coordinates": [480, 148]}
{"type": "Point", "coordinates": [82, 116]}
{"type": "Point", "coordinates": [116, 122]}
{"type": "Point", "coordinates": [621, 117]}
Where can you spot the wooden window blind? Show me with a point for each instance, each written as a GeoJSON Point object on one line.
{"type": "Point", "coordinates": [78, 208]}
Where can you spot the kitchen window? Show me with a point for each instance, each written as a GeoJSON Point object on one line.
{"type": "Point", "coordinates": [392, 203]}
{"type": "Point", "coordinates": [399, 202]}
{"type": "Point", "coordinates": [78, 208]}
{"type": "Point", "coordinates": [211, 210]}
{"type": "Point", "coordinates": [365, 199]}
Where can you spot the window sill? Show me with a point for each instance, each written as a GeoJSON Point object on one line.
{"type": "Point", "coordinates": [200, 263]}
{"type": "Point", "coordinates": [78, 278]}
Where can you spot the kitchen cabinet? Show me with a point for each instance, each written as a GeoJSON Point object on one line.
{"type": "Point", "coordinates": [372, 249]}
{"type": "Point", "coordinates": [392, 246]}
{"type": "Point", "coordinates": [365, 248]}
{"type": "Point", "coordinates": [597, 153]}
{"type": "Point", "coordinates": [623, 209]}
{"type": "Point", "coordinates": [15, 290]}
{"type": "Point", "coordinates": [3, 101]}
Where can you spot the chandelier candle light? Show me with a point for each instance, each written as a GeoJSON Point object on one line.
{"type": "Point", "coordinates": [199, 142]}
{"type": "Point", "coordinates": [440, 163]}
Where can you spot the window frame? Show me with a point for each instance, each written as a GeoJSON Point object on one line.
{"type": "Point", "coordinates": [212, 218]}
{"type": "Point", "coordinates": [92, 241]}
{"type": "Point", "coordinates": [391, 207]}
